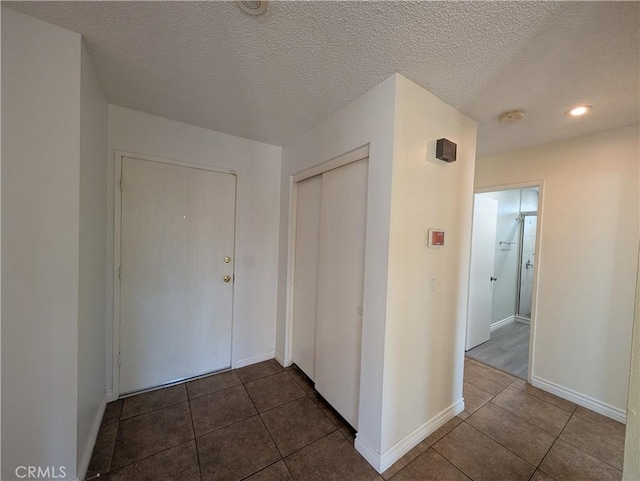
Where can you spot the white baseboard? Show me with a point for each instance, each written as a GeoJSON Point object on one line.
{"type": "Point", "coordinates": [111, 396]}
{"type": "Point", "coordinates": [368, 453]}
{"type": "Point", "coordinates": [382, 462]}
{"type": "Point", "coordinates": [523, 320]}
{"type": "Point", "coordinates": [247, 361]}
{"type": "Point", "coordinates": [284, 362]}
{"type": "Point", "coordinates": [580, 399]}
{"type": "Point", "coordinates": [503, 322]}
{"type": "Point", "coordinates": [93, 436]}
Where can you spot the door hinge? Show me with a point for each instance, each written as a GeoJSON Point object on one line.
{"type": "Point", "coordinates": [121, 183]}
{"type": "Point", "coordinates": [120, 272]}
{"type": "Point", "coordinates": [119, 359]}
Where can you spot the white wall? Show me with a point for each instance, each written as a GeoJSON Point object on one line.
{"type": "Point", "coordinates": [587, 259]}
{"type": "Point", "coordinates": [367, 120]}
{"type": "Point", "coordinates": [40, 223]}
{"type": "Point", "coordinates": [506, 256]}
{"type": "Point", "coordinates": [425, 331]}
{"type": "Point", "coordinates": [257, 223]}
{"type": "Point", "coordinates": [412, 342]}
{"type": "Point", "coordinates": [93, 259]}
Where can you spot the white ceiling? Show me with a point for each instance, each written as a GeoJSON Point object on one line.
{"type": "Point", "coordinates": [272, 77]}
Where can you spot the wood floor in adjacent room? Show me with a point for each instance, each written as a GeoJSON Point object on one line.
{"type": "Point", "coordinates": [507, 350]}
{"type": "Point", "coordinates": [267, 423]}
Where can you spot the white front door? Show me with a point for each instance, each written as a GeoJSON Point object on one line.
{"type": "Point", "coordinates": [176, 249]}
{"type": "Point", "coordinates": [483, 245]}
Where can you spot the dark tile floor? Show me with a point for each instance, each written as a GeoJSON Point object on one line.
{"type": "Point", "coordinates": [266, 423]}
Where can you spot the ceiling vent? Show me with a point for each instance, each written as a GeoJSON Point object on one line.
{"type": "Point", "coordinates": [252, 7]}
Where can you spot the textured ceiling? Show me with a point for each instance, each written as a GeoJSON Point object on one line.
{"type": "Point", "coordinates": [270, 78]}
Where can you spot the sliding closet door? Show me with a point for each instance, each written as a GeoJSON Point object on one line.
{"type": "Point", "coordinates": [340, 287]}
{"type": "Point", "coordinates": [305, 298]}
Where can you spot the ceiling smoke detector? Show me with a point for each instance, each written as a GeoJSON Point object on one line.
{"type": "Point", "coordinates": [253, 7]}
{"type": "Point", "coordinates": [511, 116]}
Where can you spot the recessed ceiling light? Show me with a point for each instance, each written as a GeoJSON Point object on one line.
{"type": "Point", "coordinates": [511, 116]}
{"type": "Point", "coordinates": [579, 111]}
{"type": "Point", "coordinates": [253, 7]}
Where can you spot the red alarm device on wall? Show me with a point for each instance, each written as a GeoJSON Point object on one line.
{"type": "Point", "coordinates": [436, 238]}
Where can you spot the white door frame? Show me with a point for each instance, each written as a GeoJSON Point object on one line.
{"type": "Point", "coordinates": [536, 267]}
{"type": "Point", "coordinates": [117, 246]}
{"type": "Point", "coordinates": [344, 159]}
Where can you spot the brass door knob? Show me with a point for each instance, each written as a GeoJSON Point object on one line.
{"type": "Point", "coordinates": [226, 278]}
{"type": "Point", "coordinates": [227, 260]}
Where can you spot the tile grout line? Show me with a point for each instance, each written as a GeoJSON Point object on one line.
{"type": "Point", "coordinates": [269, 432]}
{"type": "Point", "coordinates": [120, 419]}
{"type": "Point", "coordinates": [524, 420]}
{"type": "Point", "coordinates": [113, 451]}
{"type": "Point", "coordinates": [155, 410]}
{"type": "Point", "coordinates": [531, 397]}
{"type": "Point", "coordinates": [150, 456]}
{"type": "Point", "coordinates": [218, 428]}
{"type": "Point", "coordinates": [501, 445]}
{"type": "Point", "coordinates": [523, 392]}
{"type": "Point", "coordinates": [430, 446]}
{"type": "Point", "coordinates": [257, 413]}
{"type": "Point", "coordinates": [308, 444]}
{"type": "Point", "coordinates": [307, 395]}
{"type": "Point", "coordinates": [195, 441]}
{"type": "Point", "coordinates": [483, 390]}
{"type": "Point", "coordinates": [493, 396]}
{"type": "Point", "coordinates": [557, 437]}
{"type": "Point", "coordinates": [262, 469]}
{"type": "Point", "coordinates": [446, 458]}
{"type": "Point", "coordinates": [282, 369]}
{"type": "Point", "coordinates": [544, 400]}
{"type": "Point", "coordinates": [579, 448]}
{"type": "Point", "coordinates": [266, 429]}
{"type": "Point", "coordinates": [191, 398]}
{"type": "Point", "coordinates": [519, 417]}
{"type": "Point", "coordinates": [491, 369]}
{"type": "Point", "coordinates": [546, 454]}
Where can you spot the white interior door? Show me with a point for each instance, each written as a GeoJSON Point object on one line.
{"type": "Point", "coordinates": [483, 245]}
{"type": "Point", "coordinates": [340, 287]}
{"type": "Point", "coordinates": [175, 307]}
{"type": "Point", "coordinates": [305, 298]}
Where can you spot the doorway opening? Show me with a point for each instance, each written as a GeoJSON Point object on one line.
{"type": "Point", "coordinates": [501, 289]}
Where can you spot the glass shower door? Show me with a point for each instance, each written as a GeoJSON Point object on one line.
{"type": "Point", "coordinates": [528, 227]}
